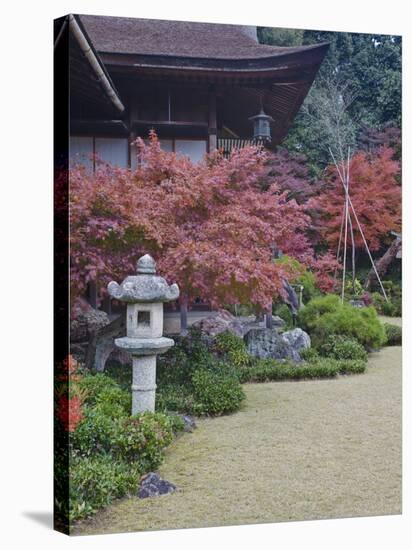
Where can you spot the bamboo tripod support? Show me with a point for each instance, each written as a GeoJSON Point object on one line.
{"type": "Point", "coordinates": [346, 219]}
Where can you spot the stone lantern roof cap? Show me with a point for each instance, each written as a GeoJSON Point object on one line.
{"type": "Point", "coordinates": [144, 287]}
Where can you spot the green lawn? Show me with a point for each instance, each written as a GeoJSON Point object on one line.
{"type": "Point", "coordinates": [296, 451]}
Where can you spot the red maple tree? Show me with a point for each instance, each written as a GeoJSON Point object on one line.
{"type": "Point", "coordinates": [210, 226]}
{"type": "Point", "coordinates": [376, 196]}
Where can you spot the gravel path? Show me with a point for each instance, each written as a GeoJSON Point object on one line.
{"type": "Point", "coordinates": [296, 451]}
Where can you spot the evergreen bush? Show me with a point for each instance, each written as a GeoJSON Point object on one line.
{"type": "Point", "coordinates": [325, 316]}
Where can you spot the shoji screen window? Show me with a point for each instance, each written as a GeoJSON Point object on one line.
{"type": "Point", "coordinates": [195, 149]}
{"type": "Point", "coordinates": [113, 151]}
{"type": "Point", "coordinates": [81, 151]}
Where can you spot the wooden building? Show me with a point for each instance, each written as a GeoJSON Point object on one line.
{"type": "Point", "coordinates": [196, 84]}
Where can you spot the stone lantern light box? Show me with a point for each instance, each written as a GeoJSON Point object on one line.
{"type": "Point", "coordinates": [144, 295]}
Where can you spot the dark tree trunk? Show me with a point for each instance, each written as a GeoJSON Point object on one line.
{"type": "Point", "coordinates": [268, 316]}
{"type": "Point", "coordinates": [383, 263]}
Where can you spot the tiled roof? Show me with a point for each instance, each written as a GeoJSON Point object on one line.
{"type": "Point", "coordinates": [177, 38]}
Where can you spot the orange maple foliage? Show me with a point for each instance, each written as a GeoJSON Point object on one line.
{"type": "Point", "coordinates": [376, 196]}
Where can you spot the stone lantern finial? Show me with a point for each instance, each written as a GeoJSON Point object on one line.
{"type": "Point", "coordinates": [146, 264]}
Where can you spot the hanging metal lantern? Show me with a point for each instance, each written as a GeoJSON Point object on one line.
{"type": "Point", "coordinates": [261, 126]}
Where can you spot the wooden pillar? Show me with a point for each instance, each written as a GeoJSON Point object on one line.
{"type": "Point", "coordinates": [183, 315]}
{"type": "Point", "coordinates": [107, 305]}
{"type": "Point", "coordinates": [92, 292]}
{"type": "Point", "coordinates": [212, 122]}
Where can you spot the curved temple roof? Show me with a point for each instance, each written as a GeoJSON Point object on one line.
{"type": "Point", "coordinates": [229, 56]}
{"type": "Point", "coordinates": [128, 35]}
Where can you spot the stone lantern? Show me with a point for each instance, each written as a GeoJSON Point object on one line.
{"type": "Point", "coordinates": [144, 295]}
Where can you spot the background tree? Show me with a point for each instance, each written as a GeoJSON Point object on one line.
{"type": "Point", "coordinates": [363, 67]}
{"type": "Point", "coordinates": [280, 37]}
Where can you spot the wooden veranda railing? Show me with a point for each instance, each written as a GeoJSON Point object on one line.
{"type": "Point", "coordinates": [227, 145]}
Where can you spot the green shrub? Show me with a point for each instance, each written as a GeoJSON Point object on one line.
{"type": "Point", "coordinates": [141, 438]}
{"type": "Point", "coordinates": [110, 449]}
{"type": "Point", "coordinates": [392, 308]}
{"type": "Point", "coordinates": [105, 401]}
{"type": "Point", "coordinates": [176, 423]}
{"type": "Point", "coordinates": [353, 289]}
{"type": "Point", "coordinates": [94, 385]}
{"type": "Point", "coordinates": [284, 313]}
{"type": "Point", "coordinates": [378, 301]}
{"type": "Point", "coordinates": [360, 323]}
{"type": "Point", "coordinates": [96, 481]}
{"type": "Point", "coordinates": [389, 309]}
{"type": "Point", "coordinates": [179, 382]}
{"type": "Point", "coordinates": [309, 354]}
{"type": "Point", "coordinates": [175, 398]}
{"type": "Point", "coordinates": [393, 334]}
{"type": "Point", "coordinates": [114, 402]}
{"type": "Point", "coordinates": [342, 347]}
{"type": "Point", "coordinates": [189, 354]}
{"type": "Point", "coordinates": [121, 374]}
{"type": "Point", "coordinates": [325, 316]}
{"type": "Point", "coordinates": [216, 393]}
{"type": "Point", "coordinates": [94, 434]}
{"type": "Point", "coordinates": [310, 314]}
{"type": "Point", "coordinates": [233, 347]}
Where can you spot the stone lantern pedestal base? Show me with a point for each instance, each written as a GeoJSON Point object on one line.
{"type": "Point", "coordinates": [144, 383]}
{"type": "Point", "coordinates": [143, 352]}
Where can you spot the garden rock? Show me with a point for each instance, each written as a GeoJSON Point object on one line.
{"type": "Point", "coordinates": [189, 421]}
{"type": "Point", "coordinates": [277, 321]}
{"type": "Point", "coordinates": [87, 323]}
{"type": "Point", "coordinates": [357, 303]}
{"type": "Point", "coordinates": [101, 346]}
{"type": "Point", "coordinates": [268, 343]}
{"type": "Point", "coordinates": [297, 338]}
{"type": "Point", "coordinates": [222, 321]}
{"type": "Point", "coordinates": [152, 485]}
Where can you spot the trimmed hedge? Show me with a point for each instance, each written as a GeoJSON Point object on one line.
{"type": "Point", "coordinates": [265, 370]}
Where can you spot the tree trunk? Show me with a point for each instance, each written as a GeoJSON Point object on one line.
{"type": "Point", "coordinates": [383, 263]}
{"type": "Point", "coordinates": [268, 316]}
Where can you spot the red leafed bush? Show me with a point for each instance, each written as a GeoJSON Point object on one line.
{"type": "Point", "coordinates": [69, 397]}
{"type": "Point", "coordinates": [69, 412]}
